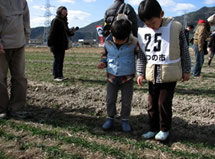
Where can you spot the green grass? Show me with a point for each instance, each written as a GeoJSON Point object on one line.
{"type": "Point", "coordinates": [54, 152]}
{"type": "Point", "coordinates": [55, 134]}
{"type": "Point", "coordinates": [81, 67]}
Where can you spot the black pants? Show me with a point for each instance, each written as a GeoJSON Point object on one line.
{"type": "Point", "coordinates": [160, 106]}
{"type": "Point", "coordinates": [58, 63]}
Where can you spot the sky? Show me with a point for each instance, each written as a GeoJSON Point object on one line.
{"type": "Point", "coordinates": [84, 12]}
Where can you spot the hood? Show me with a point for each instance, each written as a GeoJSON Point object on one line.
{"type": "Point", "coordinates": [132, 39]}
{"type": "Point", "coordinates": [211, 19]}
{"type": "Point", "coordinates": [166, 20]}
{"type": "Point", "coordinates": [201, 21]}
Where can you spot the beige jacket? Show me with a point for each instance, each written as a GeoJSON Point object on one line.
{"type": "Point", "coordinates": [169, 72]}
{"type": "Point", "coordinates": [200, 35]}
{"type": "Point", "coordinates": [14, 23]}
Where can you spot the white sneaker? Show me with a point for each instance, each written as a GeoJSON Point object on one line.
{"type": "Point", "coordinates": [64, 78]}
{"type": "Point", "coordinates": [3, 115]}
{"type": "Point", "coordinates": [149, 135]}
{"type": "Point", "coordinates": [162, 136]}
{"type": "Point", "coordinates": [58, 79]}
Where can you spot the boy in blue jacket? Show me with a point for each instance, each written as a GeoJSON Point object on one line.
{"type": "Point", "coordinates": [119, 59]}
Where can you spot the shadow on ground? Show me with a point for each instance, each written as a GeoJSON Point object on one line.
{"type": "Point", "coordinates": [181, 130]}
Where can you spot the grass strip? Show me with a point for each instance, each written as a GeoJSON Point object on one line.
{"type": "Point", "coordinates": [92, 146]}
{"type": "Point", "coordinates": [107, 150]}
{"type": "Point", "coordinates": [142, 144]}
{"type": "Point", "coordinates": [52, 152]}
{"type": "Point", "coordinates": [121, 139]}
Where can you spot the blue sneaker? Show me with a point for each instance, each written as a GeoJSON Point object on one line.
{"type": "Point", "coordinates": [149, 135]}
{"type": "Point", "coordinates": [125, 126]}
{"type": "Point", "coordinates": [162, 136]}
{"type": "Point", "coordinates": [108, 124]}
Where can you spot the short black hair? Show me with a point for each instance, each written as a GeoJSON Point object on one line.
{"type": "Point", "coordinates": [191, 26]}
{"type": "Point", "coordinates": [149, 9]}
{"type": "Point", "coordinates": [121, 29]}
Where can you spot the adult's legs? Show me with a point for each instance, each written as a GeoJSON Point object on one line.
{"type": "Point", "coordinates": [4, 96]}
{"type": "Point", "coordinates": [16, 58]}
{"type": "Point", "coordinates": [58, 63]}
{"type": "Point", "coordinates": [199, 57]}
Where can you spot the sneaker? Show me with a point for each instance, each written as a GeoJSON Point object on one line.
{"type": "Point", "coordinates": [125, 126]}
{"type": "Point", "coordinates": [63, 78]}
{"type": "Point", "coordinates": [108, 124]}
{"type": "Point", "coordinates": [58, 79]}
{"type": "Point", "coordinates": [3, 116]}
{"type": "Point", "coordinates": [162, 136]}
{"type": "Point", "coordinates": [19, 115]}
{"type": "Point", "coordinates": [149, 135]}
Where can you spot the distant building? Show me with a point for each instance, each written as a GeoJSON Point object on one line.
{"type": "Point", "coordinates": [89, 43]}
{"type": "Point", "coordinates": [35, 42]}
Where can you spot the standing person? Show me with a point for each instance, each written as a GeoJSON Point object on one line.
{"type": "Point", "coordinates": [58, 41]}
{"type": "Point", "coordinates": [187, 32]}
{"type": "Point", "coordinates": [200, 37]}
{"type": "Point", "coordinates": [14, 33]}
{"type": "Point", "coordinates": [162, 60]}
{"type": "Point", "coordinates": [200, 44]}
{"type": "Point", "coordinates": [211, 47]}
{"type": "Point", "coordinates": [211, 21]}
{"type": "Point", "coordinates": [118, 7]}
{"type": "Point", "coordinates": [119, 58]}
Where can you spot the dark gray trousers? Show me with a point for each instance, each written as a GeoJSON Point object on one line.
{"type": "Point", "coordinates": [13, 60]}
{"type": "Point", "coordinates": [126, 93]}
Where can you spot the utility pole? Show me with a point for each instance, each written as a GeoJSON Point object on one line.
{"type": "Point", "coordinates": [47, 16]}
{"type": "Point", "coordinates": [185, 18]}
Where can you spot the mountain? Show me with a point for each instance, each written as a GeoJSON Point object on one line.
{"type": "Point", "coordinates": [89, 32]}
{"type": "Point", "coordinates": [193, 17]}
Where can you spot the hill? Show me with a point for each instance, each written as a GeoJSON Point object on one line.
{"type": "Point", "coordinates": [193, 17]}
{"type": "Point", "coordinates": [89, 32]}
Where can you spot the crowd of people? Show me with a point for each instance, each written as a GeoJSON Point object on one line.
{"type": "Point", "coordinates": [160, 62]}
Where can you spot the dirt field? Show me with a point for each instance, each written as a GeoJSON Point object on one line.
{"type": "Point", "coordinates": [67, 117]}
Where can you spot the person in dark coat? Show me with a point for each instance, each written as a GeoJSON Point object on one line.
{"type": "Point", "coordinates": [187, 32]}
{"type": "Point", "coordinates": [58, 41]}
{"type": "Point", "coordinates": [118, 8]}
{"type": "Point", "coordinates": [211, 47]}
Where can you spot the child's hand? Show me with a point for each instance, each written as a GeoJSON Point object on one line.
{"type": "Point", "coordinates": [101, 65]}
{"type": "Point", "coordinates": [186, 77]}
{"type": "Point", "coordinates": [140, 80]}
{"type": "Point", "coordinates": [1, 49]}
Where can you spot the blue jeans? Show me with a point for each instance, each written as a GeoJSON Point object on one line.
{"type": "Point", "coordinates": [199, 60]}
